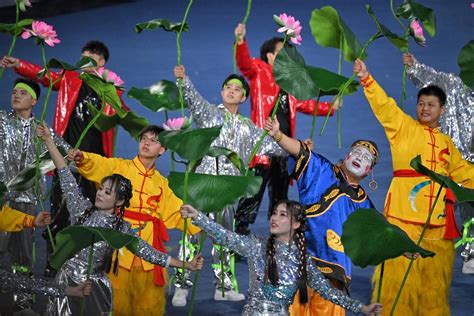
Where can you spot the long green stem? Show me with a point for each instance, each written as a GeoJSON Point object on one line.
{"type": "Point", "coordinates": [315, 113]}
{"type": "Point", "coordinates": [348, 82]}
{"type": "Point", "coordinates": [339, 71]}
{"type": "Point", "coordinates": [379, 290]}
{"type": "Point", "coordinates": [404, 76]}
{"type": "Point", "coordinates": [88, 273]}
{"type": "Point", "coordinates": [189, 167]}
{"type": "Point", "coordinates": [237, 39]}
{"type": "Point", "coordinates": [427, 223]}
{"type": "Point", "coordinates": [395, 15]}
{"type": "Point", "coordinates": [15, 35]}
{"type": "Point", "coordinates": [91, 123]}
{"type": "Point", "coordinates": [260, 141]}
{"type": "Point", "coordinates": [38, 144]}
{"type": "Point", "coordinates": [196, 275]}
{"type": "Point", "coordinates": [178, 46]}
{"type": "Point", "coordinates": [221, 255]}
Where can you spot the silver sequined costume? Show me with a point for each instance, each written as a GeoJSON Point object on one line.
{"type": "Point", "coordinates": [17, 150]}
{"type": "Point", "coordinates": [74, 271]}
{"type": "Point", "coordinates": [457, 122]}
{"type": "Point", "coordinates": [238, 134]}
{"type": "Point", "coordinates": [264, 298]}
{"type": "Point", "coordinates": [11, 282]}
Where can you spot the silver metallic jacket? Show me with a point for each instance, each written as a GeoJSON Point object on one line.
{"type": "Point", "coordinates": [74, 271]}
{"type": "Point", "coordinates": [17, 150]}
{"type": "Point", "coordinates": [458, 119]}
{"type": "Point", "coordinates": [19, 283]}
{"type": "Point", "coordinates": [238, 133]}
{"type": "Point", "coordinates": [264, 298]}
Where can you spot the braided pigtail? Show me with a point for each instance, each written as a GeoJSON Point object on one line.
{"type": "Point", "coordinates": [271, 269]}
{"type": "Point", "coordinates": [300, 242]}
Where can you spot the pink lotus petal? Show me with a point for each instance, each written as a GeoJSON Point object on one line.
{"type": "Point", "coordinates": [26, 34]}
{"type": "Point", "coordinates": [472, 5]}
{"type": "Point", "coordinates": [292, 28]}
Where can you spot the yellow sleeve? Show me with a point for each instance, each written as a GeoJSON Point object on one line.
{"type": "Point", "coordinates": [171, 215]}
{"type": "Point", "coordinates": [95, 167]}
{"type": "Point", "coordinates": [12, 220]}
{"type": "Point", "coordinates": [462, 171]}
{"type": "Point", "coordinates": [385, 108]}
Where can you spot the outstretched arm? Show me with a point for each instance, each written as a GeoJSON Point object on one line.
{"type": "Point", "coordinates": [243, 245]}
{"type": "Point", "coordinates": [291, 145]}
{"type": "Point", "coordinates": [202, 111]}
{"type": "Point", "coordinates": [321, 285]}
{"type": "Point", "coordinates": [150, 254]}
{"type": "Point", "coordinates": [28, 70]}
{"type": "Point", "coordinates": [75, 200]}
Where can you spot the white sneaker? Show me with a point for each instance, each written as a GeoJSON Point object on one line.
{"type": "Point", "coordinates": [468, 267]}
{"type": "Point", "coordinates": [228, 296]}
{"type": "Point", "coordinates": [179, 297]}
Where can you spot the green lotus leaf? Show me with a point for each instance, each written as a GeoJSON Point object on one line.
{"type": "Point", "coordinates": [462, 194]}
{"type": "Point", "coordinates": [84, 62]}
{"type": "Point", "coordinates": [161, 96]}
{"type": "Point", "coordinates": [306, 82]}
{"type": "Point", "coordinates": [105, 90]}
{"type": "Point", "coordinates": [25, 179]}
{"type": "Point", "coordinates": [411, 9]}
{"type": "Point", "coordinates": [73, 239]}
{"type": "Point", "coordinates": [400, 43]}
{"type": "Point", "coordinates": [330, 82]}
{"type": "Point", "coordinates": [15, 29]}
{"type": "Point", "coordinates": [466, 64]}
{"type": "Point", "coordinates": [190, 144]}
{"type": "Point", "coordinates": [327, 28]}
{"type": "Point", "coordinates": [164, 24]}
{"type": "Point", "coordinates": [231, 155]}
{"type": "Point", "coordinates": [369, 239]}
{"type": "Point", "coordinates": [131, 122]}
{"type": "Point", "coordinates": [209, 193]}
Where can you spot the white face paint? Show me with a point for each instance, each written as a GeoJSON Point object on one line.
{"type": "Point", "coordinates": [359, 161]}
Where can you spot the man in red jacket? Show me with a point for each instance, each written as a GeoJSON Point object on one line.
{"type": "Point", "coordinates": [72, 116]}
{"type": "Point", "coordinates": [264, 92]}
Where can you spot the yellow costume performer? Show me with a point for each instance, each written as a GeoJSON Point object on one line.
{"type": "Point", "coordinates": [408, 201]}
{"type": "Point", "coordinates": [139, 286]}
{"type": "Point", "coordinates": [12, 220]}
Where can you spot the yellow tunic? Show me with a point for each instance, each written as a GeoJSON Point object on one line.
{"type": "Point", "coordinates": [12, 220]}
{"type": "Point", "coordinates": [408, 202]}
{"type": "Point", "coordinates": [410, 198]}
{"type": "Point", "coordinates": [151, 195]}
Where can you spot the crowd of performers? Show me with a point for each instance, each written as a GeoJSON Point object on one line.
{"type": "Point", "coordinates": [301, 268]}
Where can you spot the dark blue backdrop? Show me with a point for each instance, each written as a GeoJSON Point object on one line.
{"type": "Point", "coordinates": [143, 59]}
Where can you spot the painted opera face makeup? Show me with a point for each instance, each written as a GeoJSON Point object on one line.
{"type": "Point", "coordinates": [359, 161]}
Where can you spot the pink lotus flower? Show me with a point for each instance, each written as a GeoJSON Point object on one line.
{"type": "Point", "coordinates": [43, 32]}
{"type": "Point", "coordinates": [110, 77]}
{"type": "Point", "coordinates": [290, 26]}
{"type": "Point", "coordinates": [22, 4]}
{"type": "Point", "coordinates": [176, 124]}
{"type": "Point", "coordinates": [417, 32]}
{"type": "Point", "coordinates": [472, 5]}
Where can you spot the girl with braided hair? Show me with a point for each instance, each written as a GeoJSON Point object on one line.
{"type": "Point", "coordinates": [112, 197]}
{"type": "Point", "coordinates": [278, 265]}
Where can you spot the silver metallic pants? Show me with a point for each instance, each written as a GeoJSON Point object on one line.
{"type": "Point", "coordinates": [223, 273]}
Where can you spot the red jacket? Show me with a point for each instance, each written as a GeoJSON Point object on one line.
{"type": "Point", "coordinates": [68, 90]}
{"type": "Point", "coordinates": [264, 91]}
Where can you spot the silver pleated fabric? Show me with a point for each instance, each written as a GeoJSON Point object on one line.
{"type": "Point", "coordinates": [74, 271]}
{"type": "Point", "coordinates": [11, 282]}
{"type": "Point", "coordinates": [17, 150]}
{"type": "Point", "coordinates": [457, 120]}
{"type": "Point", "coordinates": [238, 133]}
{"type": "Point", "coordinates": [264, 298]}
